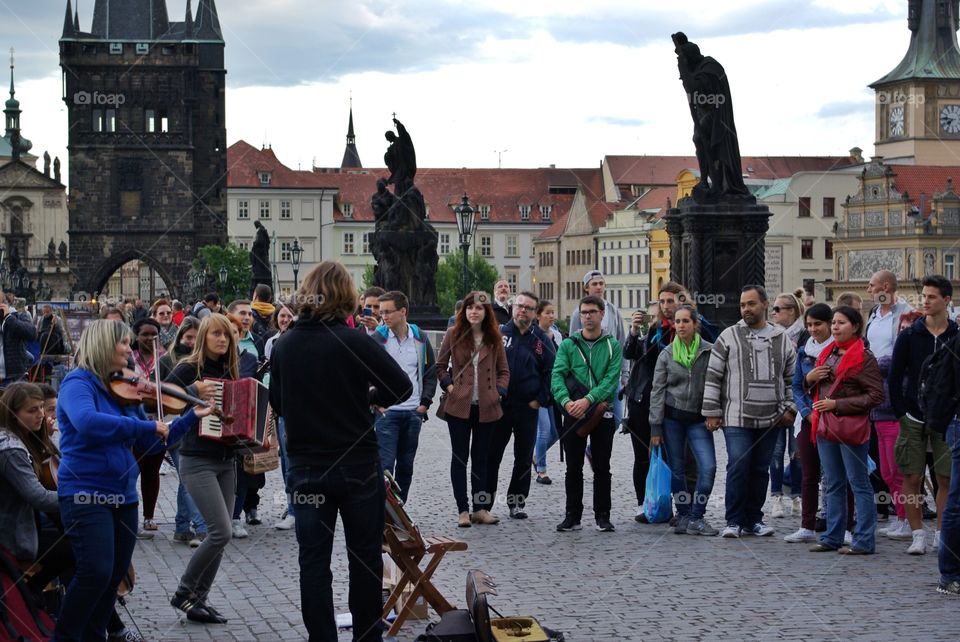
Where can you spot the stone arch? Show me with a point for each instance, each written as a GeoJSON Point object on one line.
{"type": "Point", "coordinates": [98, 281]}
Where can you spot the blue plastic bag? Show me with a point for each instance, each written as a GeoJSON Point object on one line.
{"type": "Point", "coordinates": [657, 502]}
{"type": "Point", "coordinates": [871, 465]}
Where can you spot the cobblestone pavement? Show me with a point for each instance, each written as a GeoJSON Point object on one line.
{"type": "Point", "coordinates": [641, 582]}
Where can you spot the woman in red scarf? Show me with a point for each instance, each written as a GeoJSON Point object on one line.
{"type": "Point", "coordinates": [848, 383]}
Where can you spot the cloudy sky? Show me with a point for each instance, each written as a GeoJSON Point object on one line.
{"type": "Point", "coordinates": [540, 81]}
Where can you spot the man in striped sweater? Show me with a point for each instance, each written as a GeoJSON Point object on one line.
{"type": "Point", "coordinates": [748, 393]}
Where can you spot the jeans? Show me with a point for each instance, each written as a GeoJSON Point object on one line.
{"type": "Point", "coordinates": [187, 512]}
{"type": "Point", "coordinates": [748, 463]}
{"type": "Point", "coordinates": [398, 433]}
{"type": "Point", "coordinates": [794, 472]}
{"type": "Point", "coordinates": [546, 436]}
{"type": "Point", "coordinates": [677, 435]}
{"type": "Point", "coordinates": [356, 492]}
{"type": "Point", "coordinates": [949, 555]}
{"type": "Point", "coordinates": [601, 440]}
{"type": "Point", "coordinates": [521, 422]}
{"type": "Point", "coordinates": [638, 425]}
{"type": "Point", "coordinates": [212, 484]}
{"type": "Point", "coordinates": [284, 466]}
{"type": "Point", "coordinates": [103, 538]}
{"type": "Point", "coordinates": [843, 463]}
{"type": "Point", "coordinates": [461, 449]}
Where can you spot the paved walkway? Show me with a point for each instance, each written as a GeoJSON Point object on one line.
{"type": "Point", "coordinates": [639, 583]}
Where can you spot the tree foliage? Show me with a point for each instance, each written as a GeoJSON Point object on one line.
{"type": "Point", "coordinates": [239, 271]}
{"type": "Point", "coordinates": [481, 276]}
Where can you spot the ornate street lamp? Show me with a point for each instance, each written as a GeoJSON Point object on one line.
{"type": "Point", "coordinates": [466, 225]}
{"type": "Point", "coordinates": [296, 252]}
{"type": "Point", "coordinates": [223, 274]}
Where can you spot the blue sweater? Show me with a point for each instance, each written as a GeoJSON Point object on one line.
{"type": "Point", "coordinates": [96, 437]}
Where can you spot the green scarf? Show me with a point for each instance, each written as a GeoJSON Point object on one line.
{"type": "Point", "coordinates": [685, 355]}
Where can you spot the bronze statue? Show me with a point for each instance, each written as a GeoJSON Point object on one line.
{"type": "Point", "coordinates": [46, 164]}
{"type": "Point", "coordinates": [260, 257]}
{"type": "Point", "coordinates": [56, 169]}
{"type": "Point", "coordinates": [714, 131]}
{"type": "Point", "coordinates": [401, 159]}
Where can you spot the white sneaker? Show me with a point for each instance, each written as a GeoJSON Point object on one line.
{"type": "Point", "coordinates": [777, 510]}
{"type": "Point", "coordinates": [891, 527]}
{"type": "Point", "coordinates": [239, 531]}
{"type": "Point", "coordinates": [797, 506]}
{"type": "Point", "coordinates": [919, 544]}
{"type": "Point", "coordinates": [802, 535]}
{"type": "Point", "coordinates": [847, 538]}
{"type": "Point", "coordinates": [286, 523]}
{"type": "Point", "coordinates": [902, 533]}
{"type": "Point", "coordinates": [730, 531]}
{"type": "Point", "coordinates": [935, 545]}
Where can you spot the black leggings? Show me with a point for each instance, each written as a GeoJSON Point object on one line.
{"type": "Point", "coordinates": [638, 425]}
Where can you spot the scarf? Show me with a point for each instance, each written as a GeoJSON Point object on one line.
{"type": "Point", "coordinates": [263, 308]}
{"type": "Point", "coordinates": [664, 334]}
{"type": "Point", "coordinates": [812, 349]}
{"type": "Point", "coordinates": [850, 364]}
{"type": "Point", "coordinates": [685, 355]}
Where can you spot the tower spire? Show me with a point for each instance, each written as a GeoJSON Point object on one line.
{"type": "Point", "coordinates": [68, 22]}
{"type": "Point", "coordinates": [188, 22]}
{"type": "Point", "coordinates": [208, 22]}
{"type": "Point", "coordinates": [76, 18]}
{"type": "Point", "coordinates": [18, 144]}
{"type": "Point", "coordinates": [351, 158]}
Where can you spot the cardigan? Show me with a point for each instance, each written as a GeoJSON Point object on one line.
{"type": "Point", "coordinates": [455, 367]}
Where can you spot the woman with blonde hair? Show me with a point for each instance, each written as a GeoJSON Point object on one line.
{"type": "Point", "coordinates": [97, 485]}
{"type": "Point", "coordinates": [207, 470]}
{"type": "Point", "coordinates": [332, 446]}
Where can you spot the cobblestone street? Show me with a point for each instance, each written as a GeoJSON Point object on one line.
{"type": "Point", "coordinates": [641, 582]}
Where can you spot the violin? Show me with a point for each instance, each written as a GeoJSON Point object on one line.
{"type": "Point", "coordinates": [48, 472]}
{"type": "Point", "coordinates": [128, 388]}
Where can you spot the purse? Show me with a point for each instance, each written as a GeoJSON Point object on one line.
{"type": "Point", "coordinates": [852, 430]}
{"type": "Point", "coordinates": [441, 412]}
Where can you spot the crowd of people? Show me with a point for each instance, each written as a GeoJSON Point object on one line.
{"type": "Point", "coordinates": [839, 391]}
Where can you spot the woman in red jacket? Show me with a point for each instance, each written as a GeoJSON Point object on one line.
{"type": "Point", "coordinates": [472, 368]}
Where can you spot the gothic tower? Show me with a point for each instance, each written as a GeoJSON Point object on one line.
{"type": "Point", "coordinates": [351, 158]}
{"type": "Point", "coordinates": [147, 140]}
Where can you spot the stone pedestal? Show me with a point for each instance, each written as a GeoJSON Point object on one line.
{"type": "Point", "coordinates": [714, 251]}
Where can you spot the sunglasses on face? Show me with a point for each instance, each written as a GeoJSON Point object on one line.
{"type": "Point", "coordinates": [777, 308]}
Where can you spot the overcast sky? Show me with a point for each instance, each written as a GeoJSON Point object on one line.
{"type": "Point", "coordinates": [542, 81]}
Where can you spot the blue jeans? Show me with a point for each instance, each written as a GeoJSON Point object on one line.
{"type": "Point", "coordinates": [677, 434]}
{"type": "Point", "coordinates": [950, 524]}
{"type": "Point", "coordinates": [748, 463]}
{"type": "Point", "coordinates": [841, 464]}
{"type": "Point", "coordinates": [793, 474]}
{"type": "Point", "coordinates": [356, 492]}
{"type": "Point", "coordinates": [546, 436]}
{"type": "Point", "coordinates": [282, 440]}
{"type": "Point", "coordinates": [187, 512]}
{"type": "Point", "coordinates": [102, 537]}
{"type": "Point", "coordinates": [398, 433]}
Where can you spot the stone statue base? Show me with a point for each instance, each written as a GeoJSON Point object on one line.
{"type": "Point", "coordinates": [715, 250]}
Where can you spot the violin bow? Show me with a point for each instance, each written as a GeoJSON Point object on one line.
{"type": "Point", "coordinates": [156, 377]}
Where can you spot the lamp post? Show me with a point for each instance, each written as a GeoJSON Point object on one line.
{"type": "Point", "coordinates": [296, 253]}
{"type": "Point", "coordinates": [466, 225]}
{"type": "Point", "coordinates": [222, 274]}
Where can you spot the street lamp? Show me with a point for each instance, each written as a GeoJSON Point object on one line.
{"type": "Point", "coordinates": [223, 274]}
{"type": "Point", "coordinates": [466, 225]}
{"type": "Point", "coordinates": [296, 252]}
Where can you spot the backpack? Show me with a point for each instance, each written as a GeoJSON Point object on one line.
{"type": "Point", "coordinates": [937, 392]}
{"type": "Point", "coordinates": [21, 617]}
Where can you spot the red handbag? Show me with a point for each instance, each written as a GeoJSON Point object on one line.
{"type": "Point", "coordinates": [853, 430]}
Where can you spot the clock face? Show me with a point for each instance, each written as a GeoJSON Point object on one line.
{"type": "Point", "coordinates": [950, 119]}
{"type": "Point", "coordinates": [896, 120]}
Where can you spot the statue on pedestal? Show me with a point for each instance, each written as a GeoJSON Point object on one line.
{"type": "Point", "coordinates": [260, 257]}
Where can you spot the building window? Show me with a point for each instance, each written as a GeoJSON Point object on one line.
{"type": "Point", "coordinates": [806, 248]}
{"type": "Point", "coordinates": [444, 244]}
{"type": "Point", "coordinates": [244, 245]}
{"type": "Point", "coordinates": [348, 242]}
{"type": "Point", "coordinates": [590, 257]}
{"type": "Point", "coordinates": [630, 268]}
{"type": "Point", "coordinates": [486, 245]}
{"type": "Point", "coordinates": [285, 247]}
{"type": "Point", "coordinates": [524, 212]}
{"type": "Point", "coordinates": [828, 206]}
{"type": "Point", "coordinates": [804, 206]}
{"type": "Point", "coordinates": [512, 281]}
{"type": "Point", "coordinates": [243, 210]}
{"type": "Point", "coordinates": [513, 245]}
{"type": "Point", "coordinates": [605, 270]}
{"type": "Point", "coordinates": [620, 264]}
{"type": "Point", "coordinates": [104, 120]}
{"type": "Point", "coordinates": [950, 266]}
{"type": "Point", "coordinates": [156, 121]}
{"type": "Point", "coordinates": [545, 212]}
{"type": "Point", "coordinates": [286, 211]}
{"type": "Point", "coordinates": [264, 210]}
{"type": "Point", "coordinates": [646, 263]}
{"type": "Point", "coordinates": [265, 179]}
{"type": "Point", "coordinates": [365, 245]}
{"type": "Point", "coordinates": [828, 249]}
{"type": "Point", "coordinates": [484, 212]}
{"type": "Point", "coordinates": [347, 210]}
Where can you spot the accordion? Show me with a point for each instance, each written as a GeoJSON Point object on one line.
{"type": "Point", "coordinates": [246, 415]}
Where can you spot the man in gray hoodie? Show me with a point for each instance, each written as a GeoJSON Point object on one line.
{"type": "Point", "coordinates": [748, 393]}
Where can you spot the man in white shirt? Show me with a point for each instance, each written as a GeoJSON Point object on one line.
{"type": "Point", "coordinates": [883, 321]}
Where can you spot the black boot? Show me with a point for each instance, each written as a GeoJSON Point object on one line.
{"type": "Point", "coordinates": [603, 523]}
{"type": "Point", "coordinates": [196, 611]}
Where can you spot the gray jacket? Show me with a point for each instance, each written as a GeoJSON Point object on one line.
{"type": "Point", "coordinates": [677, 386]}
{"type": "Point", "coordinates": [20, 495]}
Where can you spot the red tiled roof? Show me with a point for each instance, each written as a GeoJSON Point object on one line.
{"type": "Point", "coordinates": [658, 197]}
{"type": "Point", "coordinates": [555, 230]}
{"type": "Point", "coordinates": [928, 180]}
{"type": "Point", "coordinates": [245, 162]}
{"type": "Point", "coordinates": [663, 170]}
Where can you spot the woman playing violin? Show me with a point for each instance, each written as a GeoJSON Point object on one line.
{"type": "Point", "coordinates": [207, 470]}
{"type": "Point", "coordinates": [98, 474]}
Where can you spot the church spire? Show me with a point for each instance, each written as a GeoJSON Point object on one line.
{"type": "Point", "coordinates": [68, 31]}
{"type": "Point", "coordinates": [933, 53]}
{"type": "Point", "coordinates": [351, 158]}
{"type": "Point", "coordinates": [208, 22]}
{"type": "Point", "coordinates": [18, 144]}
{"type": "Point", "coordinates": [188, 22]}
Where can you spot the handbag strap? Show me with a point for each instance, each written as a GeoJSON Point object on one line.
{"type": "Point", "coordinates": [586, 360]}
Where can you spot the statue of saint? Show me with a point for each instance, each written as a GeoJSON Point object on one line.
{"type": "Point", "coordinates": [46, 164]}
{"type": "Point", "coordinates": [56, 169]}
{"type": "Point", "coordinates": [260, 255]}
{"type": "Point", "coordinates": [381, 201]}
{"type": "Point", "coordinates": [714, 132]}
{"type": "Point", "coordinates": [401, 159]}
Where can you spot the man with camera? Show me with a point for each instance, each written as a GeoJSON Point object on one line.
{"type": "Point", "coordinates": [584, 381]}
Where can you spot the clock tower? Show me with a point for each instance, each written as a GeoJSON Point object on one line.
{"type": "Point", "coordinates": [918, 103]}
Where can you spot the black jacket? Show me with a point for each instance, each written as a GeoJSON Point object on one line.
{"type": "Point", "coordinates": [16, 332]}
{"type": "Point", "coordinates": [184, 375]}
{"type": "Point", "coordinates": [530, 357]}
{"type": "Point", "coordinates": [643, 350]}
{"type": "Point", "coordinates": [320, 379]}
{"type": "Point", "coordinates": [504, 315]}
{"type": "Point", "coordinates": [912, 348]}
